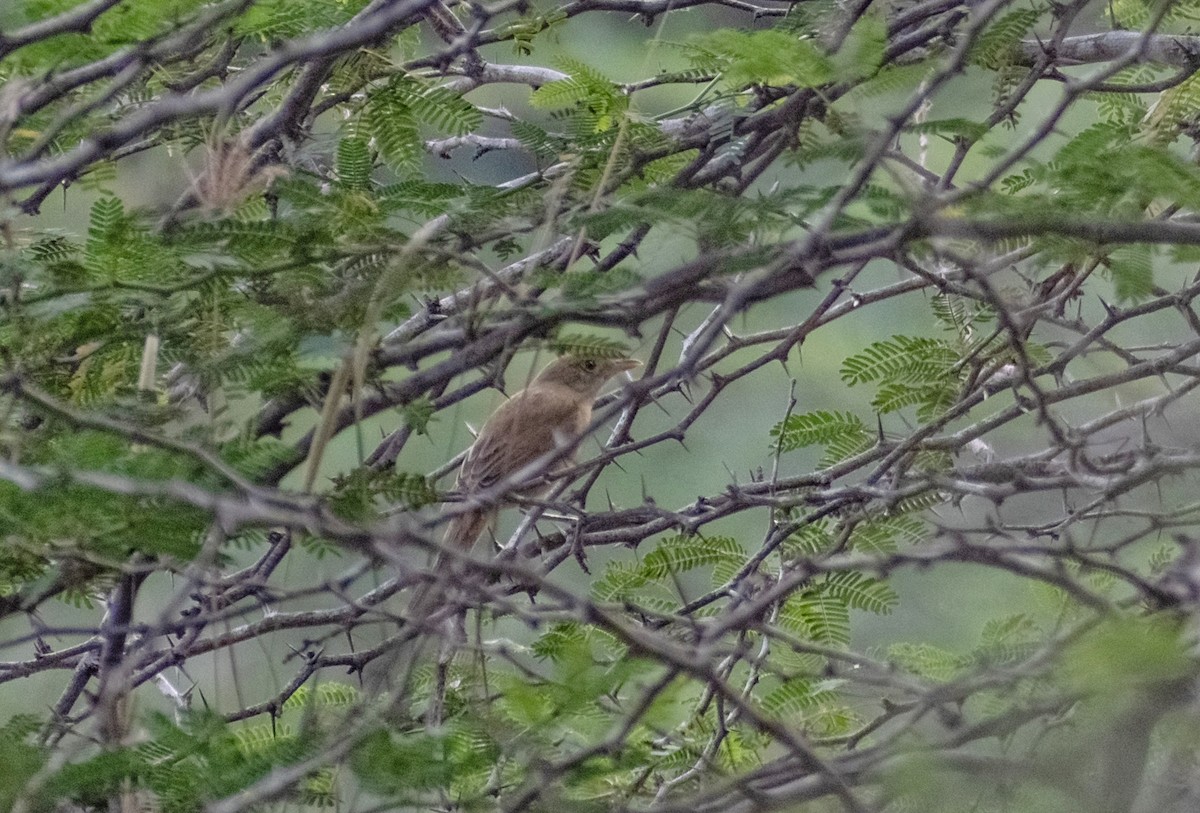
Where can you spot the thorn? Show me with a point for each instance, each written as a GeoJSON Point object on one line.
{"type": "Point", "coordinates": [577, 550]}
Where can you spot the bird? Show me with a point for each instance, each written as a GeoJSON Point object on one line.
{"type": "Point", "coordinates": [550, 414]}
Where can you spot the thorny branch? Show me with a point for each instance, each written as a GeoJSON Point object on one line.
{"type": "Point", "coordinates": [1029, 377]}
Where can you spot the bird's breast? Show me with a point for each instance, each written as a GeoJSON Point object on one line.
{"type": "Point", "coordinates": [570, 429]}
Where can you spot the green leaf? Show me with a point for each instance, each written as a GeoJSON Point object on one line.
{"type": "Point", "coordinates": [420, 197]}
{"type": "Point", "coordinates": [327, 694]}
{"type": "Point", "coordinates": [361, 494]}
{"type": "Point", "coordinates": [1174, 107]}
{"type": "Point", "coordinates": [393, 125]}
{"type": "Point", "coordinates": [927, 660]}
{"type": "Point", "coordinates": [438, 107]}
{"type": "Point", "coordinates": [1007, 640]}
{"type": "Point", "coordinates": [797, 697]}
{"type": "Point", "coordinates": [106, 216]}
{"type": "Point", "coordinates": [1132, 271]}
{"type": "Point", "coordinates": [902, 359]}
{"type": "Point", "coordinates": [389, 765]}
{"type": "Point", "coordinates": [861, 592]}
{"type": "Point", "coordinates": [354, 163]}
{"type": "Point", "coordinates": [584, 85]}
{"type": "Point", "coordinates": [418, 413]}
{"type": "Point", "coordinates": [844, 447]}
{"type": "Point", "coordinates": [862, 51]}
{"type": "Point", "coordinates": [620, 580]}
{"type": "Point", "coordinates": [767, 57]}
{"type": "Point", "coordinates": [811, 539]}
{"type": "Point", "coordinates": [254, 458]}
{"type": "Point", "coordinates": [996, 47]}
{"type": "Point", "coordinates": [883, 535]}
{"type": "Point", "coordinates": [536, 139]}
{"type": "Point", "coordinates": [894, 79]}
{"type": "Point", "coordinates": [553, 643]}
{"type": "Point", "coordinates": [1161, 558]}
{"type": "Point", "coordinates": [21, 758]}
{"type": "Point", "coordinates": [589, 346]}
{"type": "Point", "coordinates": [586, 286]}
{"type": "Point", "coordinates": [812, 428]}
{"type": "Point", "coordinates": [817, 616]}
{"type": "Point", "coordinates": [678, 554]}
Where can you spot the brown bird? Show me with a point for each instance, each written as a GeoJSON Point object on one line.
{"type": "Point", "coordinates": [548, 415]}
{"type": "Point", "coordinates": [551, 413]}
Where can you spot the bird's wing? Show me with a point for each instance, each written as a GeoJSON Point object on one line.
{"type": "Point", "coordinates": [530, 424]}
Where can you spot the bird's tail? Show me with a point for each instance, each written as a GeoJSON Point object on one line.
{"type": "Point", "coordinates": [465, 528]}
{"type": "Point", "coordinates": [461, 534]}
{"type": "Point", "coordinates": [427, 599]}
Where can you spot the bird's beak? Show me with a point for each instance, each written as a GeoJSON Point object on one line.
{"type": "Point", "coordinates": [624, 365]}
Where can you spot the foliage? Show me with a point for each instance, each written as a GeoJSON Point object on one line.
{"type": "Point", "coordinates": [968, 526]}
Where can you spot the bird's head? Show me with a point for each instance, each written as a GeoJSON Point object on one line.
{"type": "Point", "coordinates": [584, 374]}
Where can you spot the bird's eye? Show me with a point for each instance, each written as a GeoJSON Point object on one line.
{"type": "Point", "coordinates": [589, 365]}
